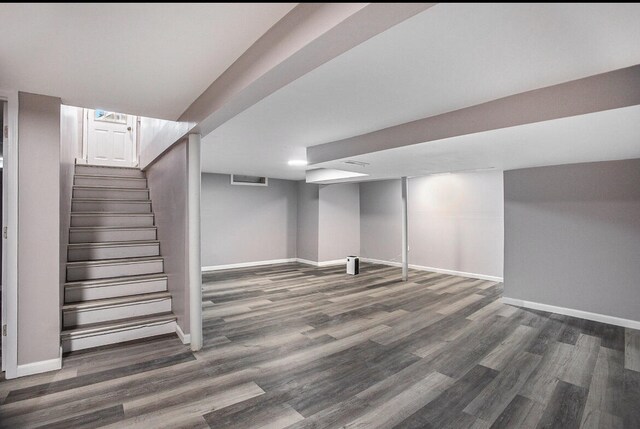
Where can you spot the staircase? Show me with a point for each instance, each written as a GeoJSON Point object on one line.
{"type": "Point", "coordinates": [116, 288]}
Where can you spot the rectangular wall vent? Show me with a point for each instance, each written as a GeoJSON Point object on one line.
{"type": "Point", "coordinates": [240, 179]}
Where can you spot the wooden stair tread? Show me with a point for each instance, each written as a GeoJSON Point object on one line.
{"type": "Point", "coordinates": [109, 214]}
{"type": "Point", "coordinates": [109, 302]}
{"type": "Point", "coordinates": [110, 227]}
{"type": "Point", "coordinates": [114, 281]}
{"type": "Point", "coordinates": [103, 327]}
{"type": "Point", "coordinates": [119, 261]}
{"type": "Point", "coordinates": [114, 243]}
{"type": "Point", "coordinates": [109, 188]}
{"type": "Point", "coordinates": [76, 199]}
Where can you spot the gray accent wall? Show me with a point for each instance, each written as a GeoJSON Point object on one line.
{"type": "Point", "coordinates": [455, 222]}
{"type": "Point", "coordinates": [381, 221]}
{"type": "Point", "coordinates": [572, 237]}
{"type": "Point", "coordinates": [167, 181]}
{"type": "Point", "coordinates": [338, 221]}
{"type": "Point", "coordinates": [307, 230]}
{"type": "Point", "coordinates": [247, 223]}
{"type": "Point", "coordinates": [38, 228]}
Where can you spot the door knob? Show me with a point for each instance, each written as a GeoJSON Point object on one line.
{"type": "Point", "coordinates": [128, 128]}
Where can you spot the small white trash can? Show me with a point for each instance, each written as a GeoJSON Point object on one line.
{"type": "Point", "coordinates": [353, 265]}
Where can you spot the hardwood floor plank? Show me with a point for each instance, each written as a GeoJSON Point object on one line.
{"type": "Point", "coordinates": [71, 383]}
{"type": "Point", "coordinates": [192, 408]}
{"type": "Point", "coordinates": [90, 420]}
{"type": "Point", "coordinates": [447, 406]}
{"type": "Point", "coordinates": [520, 413]}
{"type": "Point", "coordinates": [632, 350]}
{"type": "Point", "coordinates": [494, 398]}
{"type": "Point", "coordinates": [393, 411]}
{"type": "Point", "coordinates": [605, 390]}
{"type": "Point", "coordinates": [631, 399]}
{"type": "Point", "coordinates": [564, 410]}
{"type": "Point", "coordinates": [517, 341]}
{"type": "Point", "coordinates": [579, 368]}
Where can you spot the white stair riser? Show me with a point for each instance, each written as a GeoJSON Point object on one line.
{"type": "Point", "coordinates": [69, 345]}
{"type": "Point", "coordinates": [144, 308]}
{"type": "Point", "coordinates": [118, 182]}
{"type": "Point", "coordinates": [112, 252]}
{"type": "Point", "coordinates": [108, 171]}
{"type": "Point", "coordinates": [129, 194]}
{"type": "Point", "coordinates": [111, 220]}
{"type": "Point", "coordinates": [111, 206]}
{"type": "Point", "coordinates": [106, 235]}
{"type": "Point", "coordinates": [91, 272]}
{"type": "Point", "coordinates": [115, 290]}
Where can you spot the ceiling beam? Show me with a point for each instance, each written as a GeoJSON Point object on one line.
{"type": "Point", "coordinates": [307, 37]}
{"type": "Point", "coordinates": [611, 90]}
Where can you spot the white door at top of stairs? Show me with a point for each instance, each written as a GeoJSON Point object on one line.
{"type": "Point", "coordinates": [110, 138]}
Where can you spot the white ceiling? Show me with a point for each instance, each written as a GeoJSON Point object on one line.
{"type": "Point", "coordinates": [149, 59]}
{"type": "Point", "coordinates": [448, 57]}
{"type": "Point", "coordinates": [601, 136]}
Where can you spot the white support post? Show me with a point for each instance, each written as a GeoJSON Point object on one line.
{"type": "Point", "coordinates": [405, 229]}
{"type": "Point", "coordinates": [195, 270]}
{"type": "Point", "coordinates": [10, 237]}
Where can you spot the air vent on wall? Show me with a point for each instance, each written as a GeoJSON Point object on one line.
{"type": "Point", "coordinates": [240, 179]}
{"type": "Point", "coordinates": [358, 163]}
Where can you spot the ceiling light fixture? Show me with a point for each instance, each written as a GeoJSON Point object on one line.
{"type": "Point", "coordinates": [297, 163]}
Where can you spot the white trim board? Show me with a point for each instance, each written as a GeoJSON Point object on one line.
{"type": "Point", "coordinates": [185, 338]}
{"type": "Point", "coordinates": [457, 273]}
{"type": "Point", "coordinates": [39, 367]}
{"type": "Point", "coordinates": [10, 244]}
{"type": "Point", "coordinates": [381, 262]}
{"type": "Point", "coordinates": [596, 317]}
{"type": "Point", "coordinates": [322, 263]}
{"type": "Point", "coordinates": [435, 270]}
{"type": "Point", "coordinates": [247, 264]}
{"type": "Point", "coordinates": [273, 262]}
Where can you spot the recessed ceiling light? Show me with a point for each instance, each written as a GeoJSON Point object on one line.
{"type": "Point", "coordinates": [297, 162]}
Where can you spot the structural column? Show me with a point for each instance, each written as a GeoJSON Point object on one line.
{"type": "Point", "coordinates": [195, 270]}
{"type": "Point", "coordinates": [405, 229]}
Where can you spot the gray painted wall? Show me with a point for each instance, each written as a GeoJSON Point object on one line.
{"type": "Point", "coordinates": [38, 228]}
{"type": "Point", "coordinates": [167, 179]}
{"type": "Point", "coordinates": [338, 221]}
{"type": "Point", "coordinates": [572, 236]}
{"type": "Point", "coordinates": [307, 230]}
{"type": "Point", "coordinates": [455, 222]}
{"type": "Point", "coordinates": [380, 220]}
{"type": "Point", "coordinates": [70, 149]}
{"type": "Point", "coordinates": [247, 223]}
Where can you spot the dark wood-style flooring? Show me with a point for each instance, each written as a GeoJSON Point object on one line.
{"type": "Point", "coordinates": [302, 347]}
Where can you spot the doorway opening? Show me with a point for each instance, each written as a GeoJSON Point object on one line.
{"type": "Point", "coordinates": [109, 138]}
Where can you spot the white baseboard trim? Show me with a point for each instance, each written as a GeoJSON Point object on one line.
{"type": "Point", "coordinates": [596, 317]}
{"type": "Point", "coordinates": [382, 262]}
{"type": "Point", "coordinates": [185, 338]}
{"type": "Point", "coordinates": [322, 263]}
{"type": "Point", "coordinates": [334, 262]}
{"type": "Point", "coordinates": [457, 273]}
{"type": "Point", "coordinates": [247, 264]}
{"type": "Point", "coordinates": [435, 270]}
{"type": "Point", "coordinates": [39, 367]}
